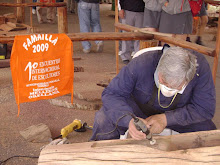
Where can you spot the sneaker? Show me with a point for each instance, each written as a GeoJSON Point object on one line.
{"type": "Point", "coordinates": [50, 21]}
{"type": "Point", "coordinates": [125, 62]}
{"type": "Point", "coordinates": [132, 54]}
{"type": "Point", "coordinates": [33, 11]}
{"type": "Point", "coordinates": [86, 50]}
{"type": "Point", "coordinates": [199, 42]}
{"type": "Point", "coordinates": [40, 22]}
{"type": "Point", "coordinates": [188, 39]}
{"type": "Point", "coordinates": [100, 46]}
{"type": "Point", "coordinates": [120, 52]}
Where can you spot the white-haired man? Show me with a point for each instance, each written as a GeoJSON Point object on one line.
{"type": "Point", "coordinates": [165, 89]}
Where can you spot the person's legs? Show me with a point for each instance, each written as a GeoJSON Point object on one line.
{"type": "Point", "coordinates": [95, 24]}
{"type": "Point", "coordinates": [51, 14]}
{"type": "Point", "coordinates": [201, 29]}
{"type": "Point", "coordinates": [39, 14]}
{"type": "Point", "coordinates": [69, 5]}
{"type": "Point", "coordinates": [127, 45]}
{"type": "Point", "coordinates": [73, 6]}
{"type": "Point", "coordinates": [176, 24]}
{"type": "Point", "coordinates": [139, 17]}
{"type": "Point", "coordinates": [104, 128]}
{"type": "Point", "coordinates": [34, 7]}
{"type": "Point", "coordinates": [203, 22]}
{"type": "Point", "coordinates": [151, 20]}
{"type": "Point", "coordinates": [84, 14]}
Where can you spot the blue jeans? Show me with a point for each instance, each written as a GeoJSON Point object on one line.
{"type": "Point", "coordinates": [89, 17]}
{"type": "Point", "coordinates": [34, 7]}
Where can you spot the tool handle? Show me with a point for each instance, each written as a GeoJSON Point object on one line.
{"type": "Point", "coordinates": [140, 126]}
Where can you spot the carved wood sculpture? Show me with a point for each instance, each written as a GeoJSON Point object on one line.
{"type": "Point", "coordinates": [189, 148]}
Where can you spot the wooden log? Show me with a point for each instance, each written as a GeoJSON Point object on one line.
{"type": "Point", "coordinates": [129, 28]}
{"type": "Point", "coordinates": [62, 20]}
{"type": "Point", "coordinates": [10, 17]}
{"type": "Point", "coordinates": [109, 36]}
{"type": "Point", "coordinates": [2, 19]}
{"type": "Point", "coordinates": [10, 27]}
{"type": "Point", "coordinates": [170, 40]}
{"type": "Point", "coordinates": [20, 12]}
{"type": "Point", "coordinates": [185, 44]}
{"type": "Point", "coordinates": [95, 36]}
{"type": "Point", "coordinates": [189, 148]}
{"type": "Point", "coordinates": [60, 4]}
{"type": "Point", "coordinates": [216, 2]}
{"type": "Point", "coordinates": [5, 63]}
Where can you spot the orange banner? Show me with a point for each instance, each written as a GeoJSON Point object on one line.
{"type": "Point", "coordinates": [41, 67]}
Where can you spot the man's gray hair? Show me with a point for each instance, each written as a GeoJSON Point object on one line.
{"type": "Point", "coordinates": [176, 66]}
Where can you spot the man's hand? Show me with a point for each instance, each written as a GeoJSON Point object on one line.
{"type": "Point", "coordinates": [121, 14]}
{"type": "Point", "coordinates": [156, 123]}
{"type": "Point", "coordinates": [135, 134]}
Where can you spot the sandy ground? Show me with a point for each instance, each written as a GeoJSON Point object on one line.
{"type": "Point", "coordinates": [97, 66]}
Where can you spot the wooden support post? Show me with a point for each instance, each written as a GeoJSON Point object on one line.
{"type": "Point", "coordinates": [217, 49]}
{"type": "Point", "coordinates": [31, 15]}
{"type": "Point", "coordinates": [116, 42]}
{"type": "Point", "coordinates": [62, 20]}
{"type": "Point", "coordinates": [105, 36]}
{"type": "Point", "coordinates": [20, 12]}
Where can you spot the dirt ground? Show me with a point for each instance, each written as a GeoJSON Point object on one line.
{"type": "Point", "coordinates": [87, 95]}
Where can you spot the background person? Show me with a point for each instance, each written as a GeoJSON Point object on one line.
{"type": "Point", "coordinates": [152, 14]}
{"type": "Point", "coordinates": [131, 13]}
{"type": "Point", "coordinates": [89, 18]}
{"type": "Point", "coordinates": [51, 12]}
{"type": "Point", "coordinates": [176, 18]}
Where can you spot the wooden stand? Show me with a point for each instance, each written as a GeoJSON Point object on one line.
{"type": "Point", "coordinates": [62, 20]}
{"type": "Point", "coordinates": [20, 12]}
{"type": "Point", "coordinates": [189, 148]}
{"type": "Point", "coordinates": [62, 12]}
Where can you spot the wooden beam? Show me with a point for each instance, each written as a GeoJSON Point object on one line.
{"type": "Point", "coordinates": [116, 42]}
{"type": "Point", "coordinates": [62, 20]}
{"type": "Point", "coordinates": [95, 36]}
{"type": "Point", "coordinates": [188, 148]}
{"type": "Point", "coordinates": [60, 4]}
{"type": "Point", "coordinates": [31, 16]}
{"type": "Point", "coordinates": [125, 27]}
{"type": "Point", "coordinates": [213, 2]}
{"type": "Point", "coordinates": [170, 40]}
{"type": "Point", "coordinates": [109, 36]}
{"type": "Point", "coordinates": [185, 44]}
